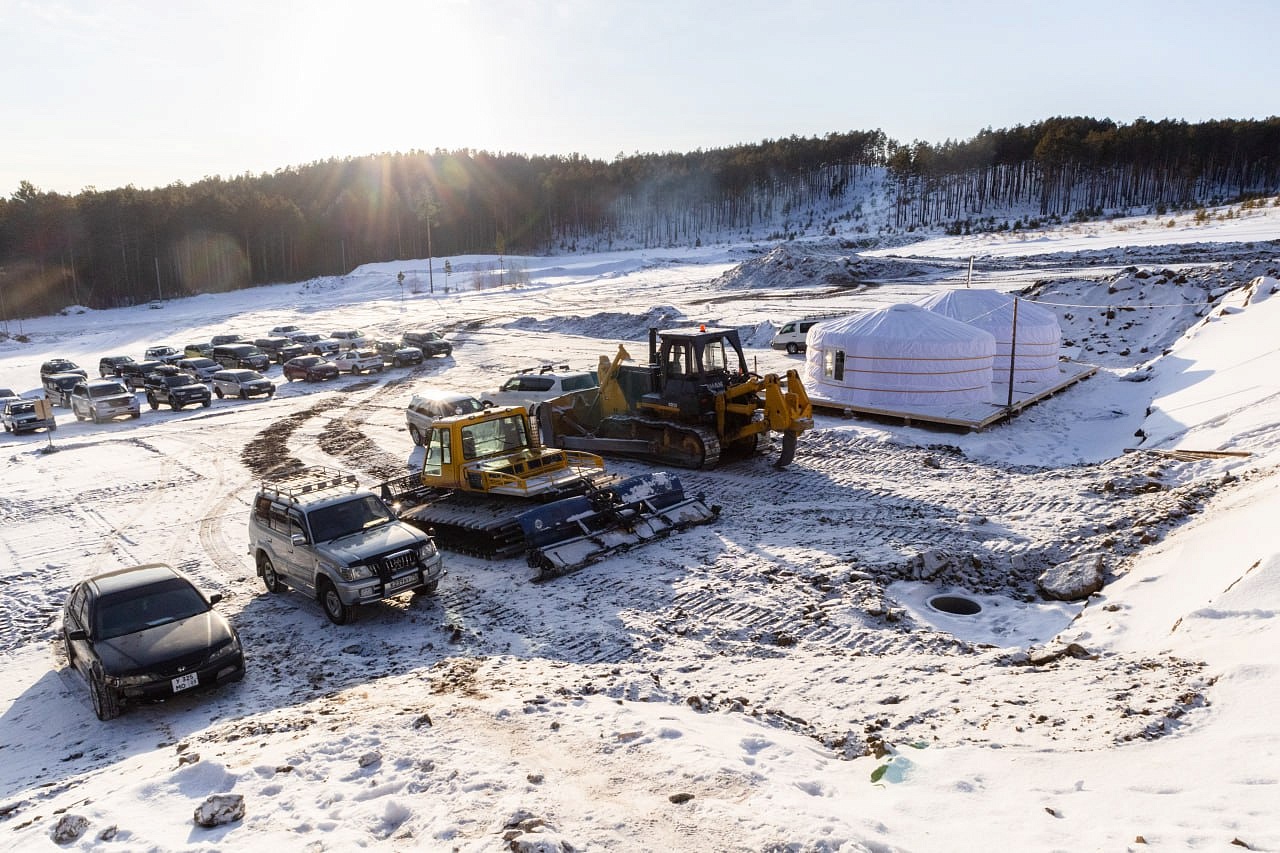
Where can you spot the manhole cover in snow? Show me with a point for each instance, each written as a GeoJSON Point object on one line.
{"type": "Point", "coordinates": [956, 605]}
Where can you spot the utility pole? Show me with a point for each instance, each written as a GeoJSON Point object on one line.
{"type": "Point", "coordinates": [159, 293]}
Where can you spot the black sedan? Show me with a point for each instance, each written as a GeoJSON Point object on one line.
{"type": "Point", "coordinates": [312, 368]}
{"type": "Point", "coordinates": [146, 633]}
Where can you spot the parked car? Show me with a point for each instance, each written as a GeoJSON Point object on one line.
{"type": "Point", "coordinates": [430, 404]}
{"type": "Point", "coordinates": [283, 331]}
{"type": "Point", "coordinates": [792, 334]}
{"type": "Point", "coordinates": [532, 387]}
{"type": "Point", "coordinates": [318, 344]}
{"type": "Point", "coordinates": [431, 343]}
{"type": "Point", "coordinates": [8, 396]}
{"type": "Point", "coordinates": [110, 365]}
{"type": "Point", "coordinates": [199, 368]}
{"type": "Point", "coordinates": [103, 399]}
{"type": "Point", "coordinates": [397, 354]}
{"type": "Point", "coordinates": [217, 340]}
{"type": "Point", "coordinates": [198, 350]}
{"type": "Point", "coordinates": [241, 383]}
{"type": "Point", "coordinates": [61, 365]}
{"type": "Point", "coordinates": [57, 388]}
{"type": "Point", "coordinates": [146, 632]}
{"type": "Point", "coordinates": [241, 355]}
{"type": "Point", "coordinates": [167, 354]}
{"type": "Point", "coordinates": [135, 373]}
{"type": "Point", "coordinates": [280, 349]}
{"type": "Point", "coordinates": [21, 416]}
{"type": "Point", "coordinates": [350, 338]}
{"type": "Point", "coordinates": [311, 368]}
{"type": "Point", "coordinates": [316, 530]}
{"type": "Point", "coordinates": [358, 361]}
{"type": "Point", "coordinates": [177, 388]}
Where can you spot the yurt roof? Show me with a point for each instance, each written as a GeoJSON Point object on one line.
{"type": "Point", "coordinates": [987, 308]}
{"type": "Point", "coordinates": [901, 328]}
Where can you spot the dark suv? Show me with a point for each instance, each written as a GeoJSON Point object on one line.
{"type": "Point", "coordinates": [241, 355]}
{"type": "Point", "coordinates": [57, 387]}
{"type": "Point", "coordinates": [135, 373]}
{"type": "Point", "coordinates": [177, 388]}
{"type": "Point", "coordinates": [431, 343]}
{"type": "Point", "coordinates": [280, 349]}
{"type": "Point", "coordinates": [110, 365]}
{"type": "Point", "coordinates": [61, 365]}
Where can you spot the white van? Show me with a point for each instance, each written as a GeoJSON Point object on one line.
{"type": "Point", "coordinates": [792, 334]}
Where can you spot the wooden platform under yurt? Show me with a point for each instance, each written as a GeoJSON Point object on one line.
{"type": "Point", "coordinates": [972, 415]}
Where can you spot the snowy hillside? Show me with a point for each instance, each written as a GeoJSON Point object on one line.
{"type": "Point", "coordinates": [777, 680]}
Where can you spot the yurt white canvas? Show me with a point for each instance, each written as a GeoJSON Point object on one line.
{"type": "Point", "coordinates": [899, 357]}
{"type": "Point", "coordinates": [1028, 336]}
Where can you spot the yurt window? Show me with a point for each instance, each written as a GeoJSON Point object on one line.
{"type": "Point", "coordinates": [833, 364]}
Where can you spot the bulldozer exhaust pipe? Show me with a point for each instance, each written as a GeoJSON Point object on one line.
{"type": "Point", "coordinates": [653, 345]}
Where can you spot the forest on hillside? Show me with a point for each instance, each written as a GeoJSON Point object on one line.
{"type": "Point", "coordinates": [107, 248]}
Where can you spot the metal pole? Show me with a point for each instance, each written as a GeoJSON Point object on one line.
{"type": "Point", "coordinates": [969, 278]}
{"type": "Point", "coordinates": [159, 293]}
{"type": "Point", "coordinates": [1013, 348]}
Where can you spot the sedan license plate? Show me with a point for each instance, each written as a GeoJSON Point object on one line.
{"type": "Point", "coordinates": [184, 682]}
{"type": "Point", "coordinates": [401, 583]}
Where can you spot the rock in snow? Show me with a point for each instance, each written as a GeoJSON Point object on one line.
{"type": "Point", "coordinates": [219, 809]}
{"type": "Point", "coordinates": [1074, 580]}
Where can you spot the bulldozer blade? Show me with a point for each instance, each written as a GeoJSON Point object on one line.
{"type": "Point", "coordinates": [570, 533]}
{"type": "Point", "coordinates": [789, 441]}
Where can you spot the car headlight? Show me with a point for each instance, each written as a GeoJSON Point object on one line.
{"type": "Point", "coordinates": [354, 573]}
{"type": "Point", "coordinates": [426, 551]}
{"type": "Point", "coordinates": [231, 648]}
{"type": "Point", "coordinates": [131, 680]}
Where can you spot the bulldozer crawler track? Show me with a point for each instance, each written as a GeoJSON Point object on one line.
{"type": "Point", "coordinates": [669, 437]}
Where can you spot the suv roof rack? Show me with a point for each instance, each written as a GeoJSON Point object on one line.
{"type": "Point", "coordinates": [292, 485]}
{"type": "Point", "coordinates": [546, 368]}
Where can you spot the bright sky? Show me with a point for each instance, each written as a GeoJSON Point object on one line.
{"type": "Point", "coordinates": [149, 92]}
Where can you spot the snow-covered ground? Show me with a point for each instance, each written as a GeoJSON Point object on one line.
{"type": "Point", "coordinates": [774, 681]}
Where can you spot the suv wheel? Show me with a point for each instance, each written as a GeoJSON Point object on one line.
{"type": "Point", "coordinates": [206, 402]}
{"type": "Point", "coordinates": [218, 391]}
{"type": "Point", "coordinates": [792, 349]}
{"type": "Point", "coordinates": [337, 612]}
{"type": "Point", "coordinates": [153, 402]}
{"type": "Point", "coordinates": [96, 419]}
{"type": "Point", "coordinates": [270, 579]}
{"type": "Point", "coordinates": [244, 394]}
{"type": "Point", "coordinates": [427, 588]}
{"type": "Point", "coordinates": [106, 701]}
{"type": "Point", "coordinates": [175, 405]}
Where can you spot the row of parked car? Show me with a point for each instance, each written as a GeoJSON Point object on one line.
{"type": "Point", "coordinates": [226, 366]}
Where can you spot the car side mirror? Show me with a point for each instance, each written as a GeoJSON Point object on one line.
{"type": "Point", "coordinates": [77, 635]}
{"type": "Point", "coordinates": [298, 539]}
{"type": "Point", "coordinates": [215, 598]}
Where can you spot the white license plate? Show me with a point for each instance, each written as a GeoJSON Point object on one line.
{"type": "Point", "coordinates": [185, 682]}
{"type": "Point", "coordinates": [401, 583]}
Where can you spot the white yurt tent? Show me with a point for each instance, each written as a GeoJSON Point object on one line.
{"type": "Point", "coordinates": [1038, 336]}
{"type": "Point", "coordinates": [901, 357]}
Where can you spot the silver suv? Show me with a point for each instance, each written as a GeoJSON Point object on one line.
{"type": "Point", "coordinates": [103, 399]}
{"type": "Point", "coordinates": [534, 386]}
{"type": "Point", "coordinates": [316, 530]}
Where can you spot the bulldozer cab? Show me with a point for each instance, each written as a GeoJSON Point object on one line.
{"type": "Point", "coordinates": [692, 363]}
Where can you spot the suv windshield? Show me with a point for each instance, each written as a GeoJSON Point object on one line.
{"type": "Point", "coordinates": [107, 389]}
{"type": "Point", "coordinates": [353, 516]}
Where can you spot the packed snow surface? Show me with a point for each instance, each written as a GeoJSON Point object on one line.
{"type": "Point", "coordinates": [782, 679]}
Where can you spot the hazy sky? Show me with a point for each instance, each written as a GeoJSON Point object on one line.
{"type": "Point", "coordinates": [148, 93]}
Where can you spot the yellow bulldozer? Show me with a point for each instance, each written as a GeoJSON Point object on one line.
{"type": "Point", "coordinates": [693, 401]}
{"type": "Point", "coordinates": [485, 486]}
